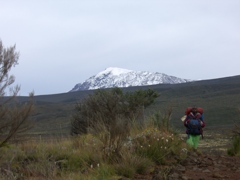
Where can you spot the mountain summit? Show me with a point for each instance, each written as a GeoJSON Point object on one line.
{"type": "Point", "coordinates": [118, 77]}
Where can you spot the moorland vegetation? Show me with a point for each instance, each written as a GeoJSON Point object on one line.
{"type": "Point", "coordinates": [108, 142]}
{"type": "Point", "coordinates": [106, 134]}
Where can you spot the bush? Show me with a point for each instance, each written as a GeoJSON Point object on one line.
{"type": "Point", "coordinates": [161, 122]}
{"type": "Point", "coordinates": [108, 114]}
{"type": "Point", "coordinates": [14, 116]}
{"type": "Point", "coordinates": [154, 145]}
{"type": "Point", "coordinates": [107, 106]}
{"type": "Point", "coordinates": [235, 149]}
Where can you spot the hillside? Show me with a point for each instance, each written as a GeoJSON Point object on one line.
{"type": "Point", "coordinates": [220, 99]}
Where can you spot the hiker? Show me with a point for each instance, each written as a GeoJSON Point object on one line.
{"type": "Point", "coordinates": [194, 123]}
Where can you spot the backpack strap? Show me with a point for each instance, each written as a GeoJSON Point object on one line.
{"type": "Point", "coordinates": [200, 121]}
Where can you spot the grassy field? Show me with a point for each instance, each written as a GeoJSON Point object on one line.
{"type": "Point", "coordinates": [49, 152]}
{"type": "Point", "coordinates": [220, 99]}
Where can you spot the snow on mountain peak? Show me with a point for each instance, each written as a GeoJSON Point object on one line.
{"type": "Point", "coordinates": [114, 71]}
{"type": "Point", "coordinates": [118, 77]}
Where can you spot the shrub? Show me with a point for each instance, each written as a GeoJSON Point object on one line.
{"type": "Point", "coordinates": [14, 116]}
{"type": "Point", "coordinates": [161, 120]}
{"type": "Point", "coordinates": [131, 163]}
{"type": "Point", "coordinates": [161, 147]}
{"type": "Point", "coordinates": [107, 106]}
{"type": "Point", "coordinates": [235, 149]}
{"type": "Point", "coordinates": [107, 114]}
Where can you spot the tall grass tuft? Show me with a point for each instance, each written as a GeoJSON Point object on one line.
{"type": "Point", "coordinates": [235, 149]}
{"type": "Point", "coordinates": [131, 163]}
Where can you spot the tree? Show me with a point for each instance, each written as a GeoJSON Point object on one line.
{"type": "Point", "coordinates": [14, 115]}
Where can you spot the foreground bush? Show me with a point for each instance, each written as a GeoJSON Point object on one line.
{"type": "Point", "coordinates": [159, 146]}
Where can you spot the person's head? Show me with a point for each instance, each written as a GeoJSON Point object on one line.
{"type": "Point", "coordinates": [194, 110]}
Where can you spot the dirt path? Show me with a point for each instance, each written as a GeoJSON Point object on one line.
{"type": "Point", "coordinates": [210, 162]}
{"type": "Point", "coordinates": [207, 167]}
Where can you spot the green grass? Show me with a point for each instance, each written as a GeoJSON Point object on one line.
{"type": "Point", "coordinates": [82, 157]}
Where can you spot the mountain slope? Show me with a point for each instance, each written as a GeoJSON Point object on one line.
{"type": "Point", "coordinates": [220, 99]}
{"type": "Point", "coordinates": [117, 77]}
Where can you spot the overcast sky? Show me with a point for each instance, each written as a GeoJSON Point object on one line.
{"type": "Point", "coordinates": [62, 43]}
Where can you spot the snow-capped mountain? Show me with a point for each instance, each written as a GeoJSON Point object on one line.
{"type": "Point", "coordinates": [118, 77]}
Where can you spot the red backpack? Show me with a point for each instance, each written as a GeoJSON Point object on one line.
{"type": "Point", "coordinates": [189, 109]}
